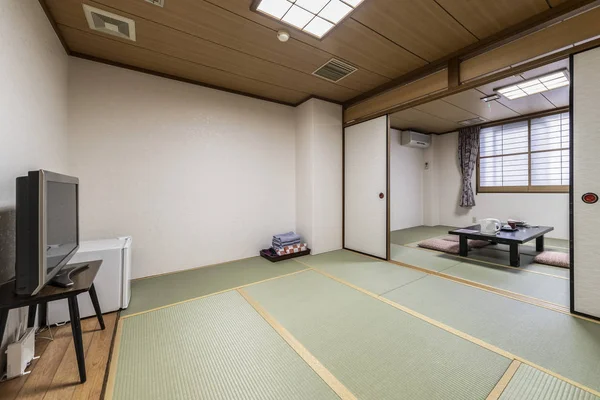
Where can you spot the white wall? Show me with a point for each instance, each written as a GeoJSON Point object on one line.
{"type": "Point", "coordinates": [319, 174]}
{"type": "Point", "coordinates": [406, 184]}
{"type": "Point", "coordinates": [33, 115]}
{"type": "Point", "coordinates": [197, 176]}
{"type": "Point", "coordinates": [550, 209]}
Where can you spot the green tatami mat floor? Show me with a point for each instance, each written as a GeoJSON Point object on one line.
{"type": "Point", "coordinates": [548, 288]}
{"type": "Point", "coordinates": [376, 276]}
{"type": "Point", "coordinates": [559, 342]}
{"type": "Point", "coordinates": [418, 233]}
{"type": "Point", "coordinates": [551, 286]}
{"type": "Point", "coordinates": [532, 384]}
{"type": "Point", "coordinates": [374, 349]}
{"type": "Point", "coordinates": [218, 347]}
{"type": "Point", "coordinates": [150, 293]}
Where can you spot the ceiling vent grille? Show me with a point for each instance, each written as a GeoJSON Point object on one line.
{"type": "Point", "coordinates": [160, 3]}
{"type": "Point", "coordinates": [107, 22]}
{"type": "Point", "coordinates": [335, 70]}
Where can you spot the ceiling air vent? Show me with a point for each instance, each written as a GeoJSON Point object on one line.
{"type": "Point", "coordinates": [160, 3]}
{"type": "Point", "coordinates": [107, 22]}
{"type": "Point", "coordinates": [334, 70]}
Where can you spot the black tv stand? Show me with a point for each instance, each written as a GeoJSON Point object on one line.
{"type": "Point", "coordinates": [63, 278]}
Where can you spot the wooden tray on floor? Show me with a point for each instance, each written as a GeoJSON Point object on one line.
{"type": "Point", "coordinates": [264, 254]}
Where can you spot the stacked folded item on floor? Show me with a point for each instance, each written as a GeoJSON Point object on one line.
{"type": "Point", "coordinates": [288, 243]}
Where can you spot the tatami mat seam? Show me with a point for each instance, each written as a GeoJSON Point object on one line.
{"type": "Point", "coordinates": [467, 259]}
{"type": "Point", "coordinates": [454, 331]}
{"type": "Point", "coordinates": [339, 388]}
{"type": "Point", "coordinates": [211, 294]}
{"type": "Point", "coordinates": [488, 288]}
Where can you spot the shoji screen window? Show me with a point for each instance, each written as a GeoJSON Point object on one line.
{"type": "Point", "coordinates": [525, 156]}
{"type": "Point", "coordinates": [504, 157]}
{"type": "Point", "coordinates": [550, 152]}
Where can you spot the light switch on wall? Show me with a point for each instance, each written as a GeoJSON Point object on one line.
{"type": "Point", "coordinates": [426, 165]}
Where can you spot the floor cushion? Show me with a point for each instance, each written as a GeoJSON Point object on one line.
{"type": "Point", "coordinates": [555, 258]}
{"type": "Point", "coordinates": [440, 245]}
{"type": "Point", "coordinates": [473, 244]}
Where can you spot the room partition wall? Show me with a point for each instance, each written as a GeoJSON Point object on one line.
{"type": "Point", "coordinates": [585, 183]}
{"type": "Point", "coordinates": [366, 177]}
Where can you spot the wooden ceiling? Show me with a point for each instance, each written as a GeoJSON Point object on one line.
{"type": "Point", "coordinates": [222, 43]}
{"type": "Point", "coordinates": [440, 116]}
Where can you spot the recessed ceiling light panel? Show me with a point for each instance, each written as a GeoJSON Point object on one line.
{"type": "Point", "coordinates": [315, 17]}
{"type": "Point", "coordinates": [539, 84]}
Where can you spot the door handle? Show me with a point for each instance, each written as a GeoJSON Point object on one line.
{"type": "Point", "coordinates": [381, 195]}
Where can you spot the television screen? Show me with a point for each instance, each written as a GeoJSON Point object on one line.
{"type": "Point", "coordinates": [61, 222]}
{"type": "Point", "coordinates": [47, 228]}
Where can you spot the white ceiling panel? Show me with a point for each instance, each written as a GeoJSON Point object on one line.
{"type": "Point", "coordinates": [471, 100]}
{"type": "Point", "coordinates": [446, 111]}
{"type": "Point", "coordinates": [559, 97]}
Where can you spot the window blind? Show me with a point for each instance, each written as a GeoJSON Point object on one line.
{"type": "Point", "coordinates": [549, 150]}
{"type": "Point", "coordinates": [503, 151]}
{"type": "Point", "coordinates": [524, 155]}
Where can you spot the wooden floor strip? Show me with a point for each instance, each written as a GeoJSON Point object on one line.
{"type": "Point", "coordinates": [456, 332]}
{"type": "Point", "coordinates": [503, 382]}
{"type": "Point", "coordinates": [339, 388]}
{"type": "Point", "coordinates": [113, 362]}
{"type": "Point", "coordinates": [210, 294]}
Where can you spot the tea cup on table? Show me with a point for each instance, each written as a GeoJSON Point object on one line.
{"type": "Point", "coordinates": [512, 224]}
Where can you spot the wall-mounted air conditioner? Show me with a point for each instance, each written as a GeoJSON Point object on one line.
{"type": "Point", "coordinates": [415, 139]}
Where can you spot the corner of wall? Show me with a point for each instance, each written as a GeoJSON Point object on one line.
{"type": "Point", "coordinates": [319, 174]}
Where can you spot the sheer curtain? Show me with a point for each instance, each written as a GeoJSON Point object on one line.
{"type": "Point", "coordinates": [468, 148]}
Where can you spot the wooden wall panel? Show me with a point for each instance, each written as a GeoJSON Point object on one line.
{"type": "Point", "coordinates": [430, 84]}
{"type": "Point", "coordinates": [422, 27]}
{"type": "Point", "coordinates": [573, 30]}
{"type": "Point", "coordinates": [351, 41]}
{"type": "Point", "coordinates": [94, 45]}
{"type": "Point", "coordinates": [218, 25]}
{"type": "Point", "coordinates": [174, 43]}
{"type": "Point", "coordinates": [483, 18]}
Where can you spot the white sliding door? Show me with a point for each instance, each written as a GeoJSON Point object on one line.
{"type": "Point", "coordinates": [586, 179]}
{"type": "Point", "coordinates": [366, 187]}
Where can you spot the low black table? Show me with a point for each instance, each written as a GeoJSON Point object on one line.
{"type": "Point", "coordinates": [82, 282]}
{"type": "Point", "coordinates": [513, 239]}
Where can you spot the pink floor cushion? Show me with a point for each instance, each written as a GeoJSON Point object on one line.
{"type": "Point", "coordinates": [474, 244]}
{"type": "Point", "coordinates": [555, 258]}
{"type": "Point", "coordinates": [440, 245]}
{"type": "Point", "coordinates": [478, 244]}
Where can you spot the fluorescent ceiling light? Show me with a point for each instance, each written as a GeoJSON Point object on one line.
{"type": "Point", "coordinates": [314, 6]}
{"type": "Point", "coordinates": [335, 11]}
{"type": "Point", "coordinates": [298, 17]}
{"type": "Point", "coordinates": [353, 3]}
{"type": "Point", "coordinates": [315, 17]}
{"type": "Point", "coordinates": [535, 85]}
{"type": "Point", "coordinates": [318, 27]}
{"type": "Point", "coordinates": [275, 8]}
{"type": "Point", "coordinates": [491, 97]}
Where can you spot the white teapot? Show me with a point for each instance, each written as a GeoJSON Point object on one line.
{"type": "Point", "coordinates": [489, 226]}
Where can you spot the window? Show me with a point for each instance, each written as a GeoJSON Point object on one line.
{"type": "Point", "coordinates": [525, 156]}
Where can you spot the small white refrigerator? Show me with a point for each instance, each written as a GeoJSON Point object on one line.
{"type": "Point", "coordinates": [112, 282]}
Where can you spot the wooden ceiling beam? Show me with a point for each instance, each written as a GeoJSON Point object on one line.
{"type": "Point", "coordinates": [511, 34]}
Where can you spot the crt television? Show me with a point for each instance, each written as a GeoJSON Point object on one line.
{"type": "Point", "coordinates": [47, 228]}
